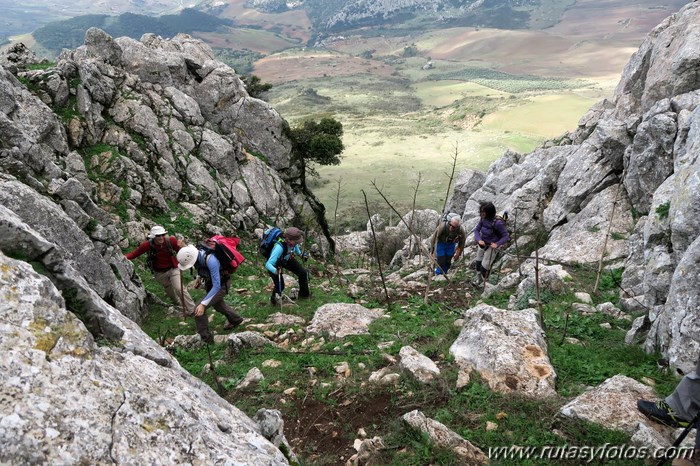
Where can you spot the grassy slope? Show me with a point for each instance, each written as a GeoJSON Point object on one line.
{"type": "Point", "coordinates": [401, 120]}
{"type": "Point", "coordinates": [325, 411]}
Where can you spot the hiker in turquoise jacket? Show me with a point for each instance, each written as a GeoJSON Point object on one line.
{"type": "Point", "coordinates": [281, 257]}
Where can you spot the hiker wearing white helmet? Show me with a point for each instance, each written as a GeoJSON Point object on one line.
{"type": "Point", "coordinates": [161, 260]}
{"type": "Point", "coordinates": [216, 283]}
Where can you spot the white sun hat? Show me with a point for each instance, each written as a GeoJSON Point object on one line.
{"type": "Point", "coordinates": [186, 257]}
{"type": "Point", "coordinates": [156, 230]}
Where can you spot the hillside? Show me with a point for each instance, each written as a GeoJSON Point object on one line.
{"type": "Point", "coordinates": [593, 305]}
{"type": "Point", "coordinates": [415, 88]}
{"type": "Point", "coordinates": [21, 17]}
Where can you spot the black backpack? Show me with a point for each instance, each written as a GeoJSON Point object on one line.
{"type": "Point", "coordinates": [268, 241]}
{"type": "Point", "coordinates": [152, 253]}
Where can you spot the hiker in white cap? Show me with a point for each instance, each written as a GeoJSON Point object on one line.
{"type": "Point", "coordinates": [162, 261]}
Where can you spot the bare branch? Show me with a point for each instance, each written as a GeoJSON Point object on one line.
{"type": "Point", "coordinates": [338, 197]}
{"type": "Point", "coordinates": [376, 249]}
{"type": "Point", "coordinates": [423, 249]}
{"type": "Point", "coordinates": [444, 207]}
{"type": "Point", "coordinates": [607, 235]}
{"type": "Point", "coordinates": [413, 210]}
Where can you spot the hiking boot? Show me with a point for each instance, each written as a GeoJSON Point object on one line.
{"type": "Point", "coordinates": [208, 338]}
{"type": "Point", "coordinates": [661, 412]}
{"type": "Point", "coordinates": [275, 299]}
{"type": "Point", "coordinates": [438, 271]}
{"type": "Point", "coordinates": [231, 325]}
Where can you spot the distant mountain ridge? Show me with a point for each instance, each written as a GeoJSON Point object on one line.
{"type": "Point", "coordinates": [20, 17]}
{"type": "Point", "coordinates": [71, 33]}
{"type": "Point", "coordinates": [339, 15]}
{"type": "Point", "coordinates": [326, 16]}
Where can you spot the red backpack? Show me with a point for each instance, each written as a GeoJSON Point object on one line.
{"type": "Point", "coordinates": [224, 248]}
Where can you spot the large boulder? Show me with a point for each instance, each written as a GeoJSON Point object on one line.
{"type": "Point", "coordinates": [66, 400]}
{"type": "Point", "coordinates": [639, 152]}
{"type": "Point", "coordinates": [339, 320]}
{"type": "Point", "coordinates": [508, 350]}
{"type": "Point", "coordinates": [440, 435]}
{"type": "Point", "coordinates": [582, 239]}
{"type": "Point", "coordinates": [613, 405]}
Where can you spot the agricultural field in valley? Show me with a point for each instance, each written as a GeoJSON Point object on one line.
{"type": "Point", "coordinates": [412, 94]}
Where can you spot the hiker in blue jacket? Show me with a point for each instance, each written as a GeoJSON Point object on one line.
{"type": "Point", "coordinates": [215, 284]}
{"type": "Point", "coordinates": [281, 257]}
{"type": "Point", "coordinates": [490, 234]}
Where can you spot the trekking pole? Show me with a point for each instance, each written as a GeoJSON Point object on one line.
{"type": "Point", "coordinates": [182, 296]}
{"type": "Point", "coordinates": [279, 285]}
{"type": "Point", "coordinates": [679, 440]}
{"type": "Point", "coordinates": [219, 387]}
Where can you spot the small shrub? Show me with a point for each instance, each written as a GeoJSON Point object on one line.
{"type": "Point", "coordinates": [260, 156]}
{"type": "Point", "coordinates": [410, 51]}
{"type": "Point", "coordinates": [662, 210]}
{"type": "Point", "coordinates": [91, 226]}
{"type": "Point", "coordinates": [41, 66]}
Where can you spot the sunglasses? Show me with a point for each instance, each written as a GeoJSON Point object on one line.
{"type": "Point", "coordinates": [160, 236]}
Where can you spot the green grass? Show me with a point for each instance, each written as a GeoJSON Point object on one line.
{"type": "Point", "coordinates": [507, 82]}
{"type": "Point", "coordinates": [343, 406]}
{"type": "Point", "coordinates": [40, 66]}
{"type": "Point", "coordinates": [397, 126]}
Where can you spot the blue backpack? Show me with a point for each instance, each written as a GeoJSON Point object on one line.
{"type": "Point", "coordinates": [268, 240]}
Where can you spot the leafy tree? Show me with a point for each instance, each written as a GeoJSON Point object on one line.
{"type": "Point", "coordinates": [317, 142]}
{"type": "Point", "coordinates": [255, 86]}
{"type": "Point", "coordinates": [410, 51]}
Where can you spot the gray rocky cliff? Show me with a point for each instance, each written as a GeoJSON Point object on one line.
{"type": "Point", "coordinates": [122, 134]}
{"type": "Point", "coordinates": [633, 160]}
{"type": "Point", "coordinates": [64, 399]}
{"type": "Point", "coordinates": [153, 127]}
{"type": "Point", "coordinates": [117, 136]}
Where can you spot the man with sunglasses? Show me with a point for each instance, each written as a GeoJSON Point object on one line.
{"type": "Point", "coordinates": [448, 243]}
{"type": "Point", "coordinates": [162, 261]}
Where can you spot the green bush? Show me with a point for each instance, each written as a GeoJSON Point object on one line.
{"type": "Point", "coordinates": [663, 210]}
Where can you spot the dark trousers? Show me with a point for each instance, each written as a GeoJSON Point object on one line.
{"type": "Point", "coordinates": [296, 268]}
{"type": "Point", "coordinates": [218, 303]}
{"type": "Point", "coordinates": [444, 262]}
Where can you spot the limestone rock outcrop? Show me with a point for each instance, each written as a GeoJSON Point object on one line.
{"type": "Point", "coordinates": [116, 136]}
{"type": "Point", "coordinates": [633, 162]}
{"type": "Point", "coordinates": [65, 399]}
{"type": "Point", "coordinates": [507, 349]}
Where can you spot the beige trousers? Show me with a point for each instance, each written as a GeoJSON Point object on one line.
{"type": "Point", "coordinates": [170, 281]}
